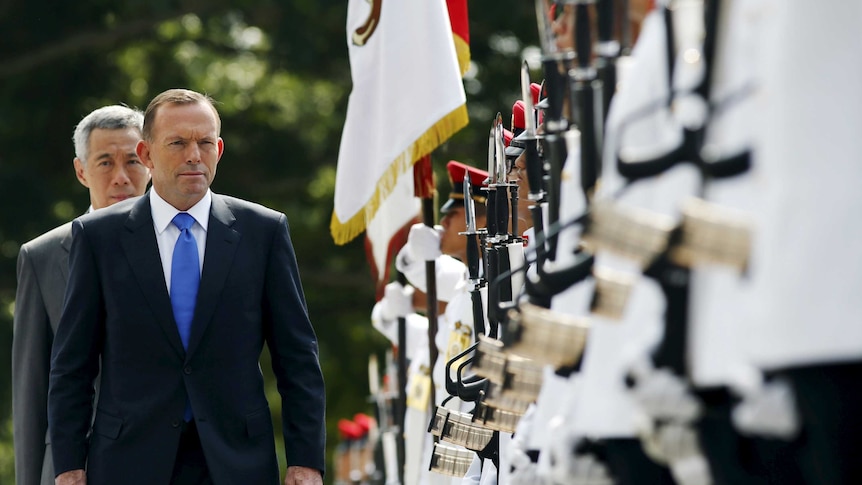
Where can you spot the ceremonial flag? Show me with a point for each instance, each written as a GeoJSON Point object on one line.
{"type": "Point", "coordinates": [460, 31]}
{"type": "Point", "coordinates": [407, 99]}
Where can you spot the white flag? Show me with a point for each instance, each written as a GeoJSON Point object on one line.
{"type": "Point", "coordinates": [407, 99]}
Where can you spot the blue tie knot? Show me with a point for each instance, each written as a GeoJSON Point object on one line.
{"type": "Point", "coordinates": [183, 221]}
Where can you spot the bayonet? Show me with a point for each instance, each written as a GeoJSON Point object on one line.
{"type": "Point", "coordinates": [491, 200]}
{"type": "Point", "coordinates": [527, 97]}
{"type": "Point", "coordinates": [607, 49]}
{"type": "Point", "coordinates": [470, 207]}
{"type": "Point", "coordinates": [502, 214]}
{"type": "Point", "coordinates": [499, 151]}
{"type": "Point", "coordinates": [492, 153]}
{"type": "Point", "coordinates": [534, 164]}
{"type": "Point", "coordinates": [584, 99]}
{"type": "Point", "coordinates": [546, 36]}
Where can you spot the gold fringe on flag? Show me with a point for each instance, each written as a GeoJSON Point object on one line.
{"type": "Point", "coordinates": [344, 232]}
{"type": "Point", "coordinates": [462, 49]}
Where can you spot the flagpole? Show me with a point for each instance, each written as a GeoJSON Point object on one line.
{"type": "Point", "coordinates": [423, 180]}
{"type": "Point", "coordinates": [401, 404]}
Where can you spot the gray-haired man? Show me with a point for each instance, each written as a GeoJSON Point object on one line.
{"type": "Point", "coordinates": [106, 163]}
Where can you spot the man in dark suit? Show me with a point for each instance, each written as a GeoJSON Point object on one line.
{"type": "Point", "coordinates": [176, 292]}
{"type": "Point", "coordinates": [105, 163]}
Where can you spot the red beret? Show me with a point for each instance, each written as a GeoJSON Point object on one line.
{"type": "Point", "coordinates": [364, 421]}
{"type": "Point", "coordinates": [349, 430]}
{"type": "Point", "coordinates": [457, 173]}
{"type": "Point", "coordinates": [536, 91]}
{"type": "Point", "coordinates": [519, 124]}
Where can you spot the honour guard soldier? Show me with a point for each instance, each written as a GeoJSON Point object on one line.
{"type": "Point", "coordinates": [446, 247]}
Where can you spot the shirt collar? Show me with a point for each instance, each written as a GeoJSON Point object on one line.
{"type": "Point", "coordinates": [164, 213]}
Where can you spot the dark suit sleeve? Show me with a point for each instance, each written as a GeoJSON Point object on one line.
{"type": "Point", "coordinates": [293, 346]}
{"type": "Point", "coordinates": [31, 359]}
{"type": "Point", "coordinates": [75, 357]}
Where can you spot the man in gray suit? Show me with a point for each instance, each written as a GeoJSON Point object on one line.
{"type": "Point", "coordinates": [105, 163]}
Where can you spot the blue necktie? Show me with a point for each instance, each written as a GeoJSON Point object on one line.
{"type": "Point", "coordinates": [185, 279]}
{"type": "Point", "coordinates": [185, 276]}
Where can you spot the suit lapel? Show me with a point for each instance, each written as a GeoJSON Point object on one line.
{"type": "Point", "coordinates": [65, 247]}
{"type": "Point", "coordinates": [142, 251]}
{"type": "Point", "coordinates": [222, 242]}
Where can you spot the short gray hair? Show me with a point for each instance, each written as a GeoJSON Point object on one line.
{"type": "Point", "coordinates": [113, 117]}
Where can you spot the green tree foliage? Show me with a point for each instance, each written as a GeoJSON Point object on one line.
{"type": "Point", "coordinates": [280, 73]}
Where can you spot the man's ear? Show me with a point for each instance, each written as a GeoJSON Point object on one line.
{"type": "Point", "coordinates": [143, 151]}
{"type": "Point", "coordinates": [80, 172]}
{"type": "Point", "coordinates": [220, 145]}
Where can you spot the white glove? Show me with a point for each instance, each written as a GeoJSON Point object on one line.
{"type": "Point", "coordinates": [770, 411]}
{"type": "Point", "coordinates": [677, 446]}
{"type": "Point", "coordinates": [677, 441]}
{"type": "Point", "coordinates": [692, 470]}
{"type": "Point", "coordinates": [584, 470]}
{"type": "Point", "coordinates": [397, 301]}
{"type": "Point", "coordinates": [526, 475]}
{"type": "Point", "coordinates": [424, 242]}
{"type": "Point", "coordinates": [680, 446]}
{"type": "Point", "coordinates": [518, 459]}
{"type": "Point", "coordinates": [664, 396]}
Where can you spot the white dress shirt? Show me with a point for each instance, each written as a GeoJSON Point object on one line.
{"type": "Point", "coordinates": [167, 233]}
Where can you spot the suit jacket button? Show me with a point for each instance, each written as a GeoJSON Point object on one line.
{"type": "Point", "coordinates": [175, 423]}
{"type": "Point", "coordinates": [187, 370]}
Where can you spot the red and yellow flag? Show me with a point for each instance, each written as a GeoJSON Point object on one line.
{"type": "Point", "coordinates": [460, 31]}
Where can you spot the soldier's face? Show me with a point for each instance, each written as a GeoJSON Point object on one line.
{"type": "Point", "coordinates": [452, 243]}
{"type": "Point", "coordinates": [112, 171]}
{"type": "Point", "coordinates": [563, 27]}
{"type": "Point", "coordinates": [183, 153]}
{"type": "Point", "coordinates": [519, 171]}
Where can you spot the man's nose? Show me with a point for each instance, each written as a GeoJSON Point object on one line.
{"type": "Point", "coordinates": [121, 175]}
{"type": "Point", "coordinates": [193, 154]}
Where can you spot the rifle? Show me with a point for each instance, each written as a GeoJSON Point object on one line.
{"type": "Point", "coordinates": [473, 262]}
{"type": "Point", "coordinates": [389, 427]}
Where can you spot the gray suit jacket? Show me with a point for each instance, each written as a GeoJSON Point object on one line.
{"type": "Point", "coordinates": [43, 270]}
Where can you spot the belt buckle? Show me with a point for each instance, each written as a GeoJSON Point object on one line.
{"type": "Point", "coordinates": [460, 429]}
{"type": "Point", "coordinates": [612, 292]}
{"type": "Point", "coordinates": [450, 460]}
{"type": "Point", "coordinates": [523, 379]}
{"type": "Point", "coordinates": [712, 234]}
{"type": "Point", "coordinates": [497, 419]}
{"type": "Point", "coordinates": [633, 233]}
{"type": "Point", "coordinates": [497, 398]}
{"type": "Point", "coordinates": [489, 360]}
{"type": "Point", "coordinates": [546, 336]}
